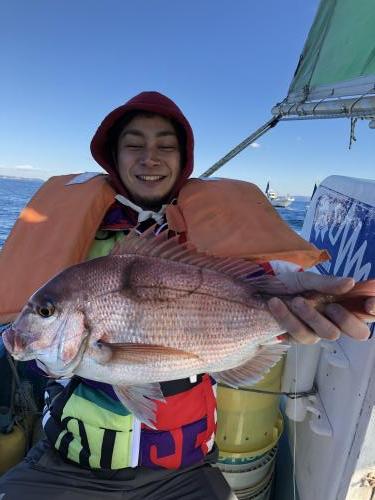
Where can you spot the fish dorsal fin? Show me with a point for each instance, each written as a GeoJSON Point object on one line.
{"type": "Point", "coordinates": [160, 246]}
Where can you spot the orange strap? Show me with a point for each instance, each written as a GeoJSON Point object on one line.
{"type": "Point", "coordinates": [54, 231]}
{"type": "Point", "coordinates": [231, 218]}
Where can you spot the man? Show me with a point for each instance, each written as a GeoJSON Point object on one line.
{"type": "Point", "coordinates": [95, 448]}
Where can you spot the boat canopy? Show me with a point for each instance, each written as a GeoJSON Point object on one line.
{"type": "Point", "coordinates": [335, 75]}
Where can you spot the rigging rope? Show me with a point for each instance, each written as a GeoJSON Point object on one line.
{"type": "Point", "coordinates": [290, 395]}
{"type": "Point", "coordinates": [353, 123]}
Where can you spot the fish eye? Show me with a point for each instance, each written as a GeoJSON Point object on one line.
{"type": "Point", "coordinates": [46, 310]}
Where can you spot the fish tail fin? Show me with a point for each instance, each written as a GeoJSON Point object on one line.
{"type": "Point", "coordinates": [354, 300]}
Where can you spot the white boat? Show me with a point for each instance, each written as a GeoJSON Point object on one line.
{"type": "Point", "coordinates": [276, 200]}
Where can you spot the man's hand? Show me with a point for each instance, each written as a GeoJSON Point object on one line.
{"type": "Point", "coordinates": [314, 325]}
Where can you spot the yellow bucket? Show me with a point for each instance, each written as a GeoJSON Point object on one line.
{"type": "Point", "coordinates": [12, 446]}
{"type": "Point", "coordinates": [249, 422]}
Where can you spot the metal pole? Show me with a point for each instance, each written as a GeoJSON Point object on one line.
{"type": "Point", "coordinates": [244, 144]}
{"type": "Point", "coordinates": [353, 107]}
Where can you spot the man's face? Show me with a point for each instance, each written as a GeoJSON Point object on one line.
{"type": "Point", "coordinates": [148, 156]}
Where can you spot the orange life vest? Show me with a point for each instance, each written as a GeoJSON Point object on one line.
{"type": "Point", "coordinates": [55, 230]}
{"type": "Point", "coordinates": [221, 217]}
{"type": "Point", "coordinates": [231, 218]}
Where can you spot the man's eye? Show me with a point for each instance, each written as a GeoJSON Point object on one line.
{"type": "Point", "coordinates": [168, 148]}
{"type": "Point", "coordinates": [133, 146]}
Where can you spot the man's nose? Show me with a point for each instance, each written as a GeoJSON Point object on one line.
{"type": "Point", "coordinates": [150, 157]}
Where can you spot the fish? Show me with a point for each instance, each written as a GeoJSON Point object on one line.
{"type": "Point", "coordinates": [155, 310]}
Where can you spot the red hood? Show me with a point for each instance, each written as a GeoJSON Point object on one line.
{"type": "Point", "coordinates": [146, 101]}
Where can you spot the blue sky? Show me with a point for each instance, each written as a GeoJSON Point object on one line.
{"type": "Point", "coordinates": [66, 64]}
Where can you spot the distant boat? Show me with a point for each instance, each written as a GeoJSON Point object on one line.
{"type": "Point", "coordinates": [276, 200]}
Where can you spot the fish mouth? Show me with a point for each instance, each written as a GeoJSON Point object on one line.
{"type": "Point", "coordinates": [8, 337]}
{"type": "Point", "coordinates": [23, 346]}
{"type": "Point", "coordinates": [14, 342]}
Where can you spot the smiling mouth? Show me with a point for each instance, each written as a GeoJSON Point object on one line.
{"type": "Point", "coordinates": [151, 178]}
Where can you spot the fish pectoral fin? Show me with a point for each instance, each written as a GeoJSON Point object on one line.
{"type": "Point", "coordinates": [253, 370]}
{"type": "Point", "coordinates": [146, 350]}
{"type": "Point", "coordinates": [141, 400]}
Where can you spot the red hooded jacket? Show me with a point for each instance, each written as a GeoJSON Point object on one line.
{"type": "Point", "coordinates": [154, 102]}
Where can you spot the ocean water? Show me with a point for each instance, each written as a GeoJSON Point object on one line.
{"type": "Point", "coordinates": [294, 215]}
{"type": "Point", "coordinates": [15, 193]}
